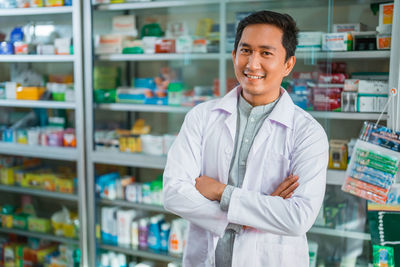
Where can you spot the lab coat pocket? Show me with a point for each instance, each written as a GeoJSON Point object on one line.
{"type": "Point", "coordinates": [280, 255]}
{"type": "Point", "coordinates": [276, 169]}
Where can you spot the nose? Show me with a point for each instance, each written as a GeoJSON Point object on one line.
{"type": "Point", "coordinates": [253, 62]}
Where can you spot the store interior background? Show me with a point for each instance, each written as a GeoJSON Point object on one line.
{"type": "Point", "coordinates": [340, 237]}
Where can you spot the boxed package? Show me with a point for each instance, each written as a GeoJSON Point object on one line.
{"type": "Point", "coordinates": [124, 24]}
{"type": "Point", "coordinates": [327, 99]}
{"type": "Point", "coordinates": [364, 41]}
{"type": "Point", "coordinates": [337, 154]}
{"type": "Point", "coordinates": [29, 93]}
{"type": "Point", "coordinates": [309, 41]}
{"type": "Point", "coordinates": [385, 18]}
{"type": "Point", "coordinates": [383, 41]}
{"type": "Point", "coordinates": [366, 86]}
{"type": "Point", "coordinates": [111, 43]}
{"type": "Point", "coordinates": [349, 102]}
{"type": "Point", "coordinates": [62, 46]}
{"type": "Point", "coordinates": [349, 27]}
{"type": "Point", "coordinates": [371, 103]}
{"type": "Point", "coordinates": [337, 41]}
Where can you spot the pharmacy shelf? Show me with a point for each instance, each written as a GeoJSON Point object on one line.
{"type": "Point", "coordinates": [49, 237]}
{"type": "Point", "coordinates": [339, 233]}
{"type": "Point", "coordinates": [143, 253]}
{"type": "Point", "coordinates": [346, 115]}
{"type": "Point", "coordinates": [143, 108]}
{"type": "Point", "coordinates": [380, 54]}
{"type": "Point", "coordinates": [37, 58]}
{"type": "Point", "coordinates": [38, 192]}
{"type": "Point", "coordinates": [46, 152]}
{"type": "Point", "coordinates": [151, 5]}
{"type": "Point", "coordinates": [335, 177]}
{"type": "Point", "coordinates": [158, 57]}
{"type": "Point", "coordinates": [36, 104]}
{"type": "Point", "coordinates": [35, 11]}
{"type": "Point", "coordinates": [129, 159]}
{"type": "Point", "coordinates": [127, 204]}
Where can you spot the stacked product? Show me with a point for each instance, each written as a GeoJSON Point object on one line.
{"type": "Point", "coordinates": [33, 3]}
{"type": "Point", "coordinates": [31, 173]}
{"type": "Point", "coordinates": [176, 39]}
{"type": "Point", "coordinates": [112, 259]}
{"type": "Point", "coordinates": [374, 164]}
{"type": "Point", "coordinates": [35, 252]}
{"type": "Point", "coordinates": [131, 228]}
{"type": "Point", "coordinates": [63, 223]}
{"type": "Point", "coordinates": [28, 40]}
{"type": "Point", "coordinates": [112, 186]}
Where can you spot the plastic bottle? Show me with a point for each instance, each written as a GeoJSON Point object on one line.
{"type": "Point", "coordinates": [143, 233]}
{"type": "Point", "coordinates": [122, 260]}
{"type": "Point", "coordinates": [134, 234]}
{"type": "Point", "coordinates": [154, 238]}
{"type": "Point", "coordinates": [164, 234]}
{"type": "Point", "coordinates": [176, 238]}
{"type": "Point", "coordinates": [105, 260]}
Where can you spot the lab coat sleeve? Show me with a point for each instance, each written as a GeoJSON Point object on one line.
{"type": "Point", "coordinates": [296, 215]}
{"type": "Point", "coordinates": [180, 195]}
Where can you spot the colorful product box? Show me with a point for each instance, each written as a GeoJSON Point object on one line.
{"type": "Point", "coordinates": [309, 41]}
{"type": "Point", "coordinates": [337, 42]}
{"type": "Point", "coordinates": [349, 27]}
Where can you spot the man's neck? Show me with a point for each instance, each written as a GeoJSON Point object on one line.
{"type": "Point", "coordinates": [260, 100]}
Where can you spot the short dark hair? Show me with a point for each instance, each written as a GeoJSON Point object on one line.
{"type": "Point", "coordinates": [283, 21]}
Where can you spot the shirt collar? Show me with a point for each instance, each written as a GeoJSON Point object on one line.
{"type": "Point", "coordinates": [282, 113]}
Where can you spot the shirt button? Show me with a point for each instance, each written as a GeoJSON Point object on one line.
{"type": "Point", "coordinates": [246, 140]}
{"type": "Point", "coordinates": [242, 162]}
{"type": "Point", "coordinates": [252, 119]}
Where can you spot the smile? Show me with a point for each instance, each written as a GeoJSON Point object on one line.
{"type": "Point", "coordinates": [254, 76]}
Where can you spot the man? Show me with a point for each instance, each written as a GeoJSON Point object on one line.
{"type": "Point", "coordinates": [232, 153]}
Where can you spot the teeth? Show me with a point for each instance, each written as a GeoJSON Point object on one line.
{"type": "Point", "coordinates": [254, 77]}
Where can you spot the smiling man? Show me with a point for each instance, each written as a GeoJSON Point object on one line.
{"type": "Point", "coordinates": [226, 171]}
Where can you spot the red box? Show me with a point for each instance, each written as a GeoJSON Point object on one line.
{"type": "Point", "coordinates": [327, 99]}
{"type": "Point", "coordinates": [337, 78]}
{"type": "Point", "coordinates": [165, 46]}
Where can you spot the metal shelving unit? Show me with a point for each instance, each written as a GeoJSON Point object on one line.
{"type": "Point", "coordinates": [144, 253]}
{"type": "Point", "coordinates": [76, 154]}
{"type": "Point", "coordinates": [49, 237]}
{"type": "Point", "coordinates": [46, 152]}
{"type": "Point", "coordinates": [36, 11]}
{"type": "Point", "coordinates": [133, 205]}
{"type": "Point", "coordinates": [339, 233]}
{"type": "Point", "coordinates": [158, 57]}
{"type": "Point", "coordinates": [334, 177]}
{"type": "Point", "coordinates": [38, 192]}
{"type": "Point", "coordinates": [37, 58]}
{"type": "Point", "coordinates": [36, 104]}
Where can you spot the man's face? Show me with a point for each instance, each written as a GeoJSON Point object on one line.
{"type": "Point", "coordinates": [259, 63]}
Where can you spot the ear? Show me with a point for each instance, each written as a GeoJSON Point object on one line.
{"type": "Point", "coordinates": [233, 55]}
{"type": "Point", "coordinates": [289, 64]}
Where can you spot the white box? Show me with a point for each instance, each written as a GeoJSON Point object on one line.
{"type": "Point", "coordinates": [309, 41]}
{"type": "Point", "coordinates": [62, 46]}
{"type": "Point", "coordinates": [349, 27]}
{"type": "Point", "coordinates": [109, 224]}
{"type": "Point", "coordinates": [337, 41]}
{"type": "Point", "coordinates": [11, 90]}
{"type": "Point", "coordinates": [124, 220]}
{"type": "Point", "coordinates": [371, 103]}
{"type": "Point", "coordinates": [385, 18]}
{"type": "Point", "coordinates": [351, 85]}
{"type": "Point", "coordinates": [373, 87]}
{"type": "Point", "coordinates": [125, 24]}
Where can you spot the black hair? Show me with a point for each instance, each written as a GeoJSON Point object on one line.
{"type": "Point", "coordinates": [283, 21]}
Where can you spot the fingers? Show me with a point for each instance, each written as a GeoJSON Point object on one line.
{"type": "Point", "coordinates": [288, 192]}
{"type": "Point", "coordinates": [285, 185]}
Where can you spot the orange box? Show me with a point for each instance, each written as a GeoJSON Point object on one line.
{"type": "Point", "coordinates": [30, 93]}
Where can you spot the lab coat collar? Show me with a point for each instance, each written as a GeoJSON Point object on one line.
{"type": "Point", "coordinates": [282, 113]}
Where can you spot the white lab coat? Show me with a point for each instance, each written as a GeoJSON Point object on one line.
{"type": "Point", "coordinates": [289, 141]}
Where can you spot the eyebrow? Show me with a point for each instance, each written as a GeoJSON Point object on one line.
{"type": "Point", "coordinates": [261, 46]}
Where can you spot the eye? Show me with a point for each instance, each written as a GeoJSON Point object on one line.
{"type": "Point", "coordinates": [245, 50]}
{"type": "Point", "coordinates": [266, 53]}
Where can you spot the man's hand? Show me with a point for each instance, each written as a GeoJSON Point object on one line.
{"type": "Point", "coordinates": [210, 188]}
{"type": "Point", "coordinates": [287, 187]}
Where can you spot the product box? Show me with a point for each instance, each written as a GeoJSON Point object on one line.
{"type": "Point", "coordinates": [337, 42]}
{"type": "Point", "coordinates": [309, 41]}
{"type": "Point", "coordinates": [43, 49]}
{"type": "Point", "coordinates": [6, 48]}
{"type": "Point", "coordinates": [29, 93]}
{"type": "Point", "coordinates": [337, 154]}
{"type": "Point", "coordinates": [351, 85]}
{"type": "Point", "coordinates": [385, 18]}
{"type": "Point", "coordinates": [124, 24]}
{"type": "Point", "coordinates": [383, 41]}
{"type": "Point", "coordinates": [111, 43]}
{"type": "Point", "coordinates": [349, 102]}
{"type": "Point", "coordinates": [363, 41]}
{"type": "Point", "coordinates": [62, 46]}
{"type": "Point", "coordinates": [11, 90]}
{"type": "Point", "coordinates": [327, 99]}
{"type": "Point", "coordinates": [124, 219]}
{"type": "Point", "coordinates": [371, 103]}
{"type": "Point", "coordinates": [349, 27]}
{"type": "Point", "coordinates": [373, 87]}
{"type": "Point", "coordinates": [109, 225]}
{"type": "Point", "coordinates": [165, 46]}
